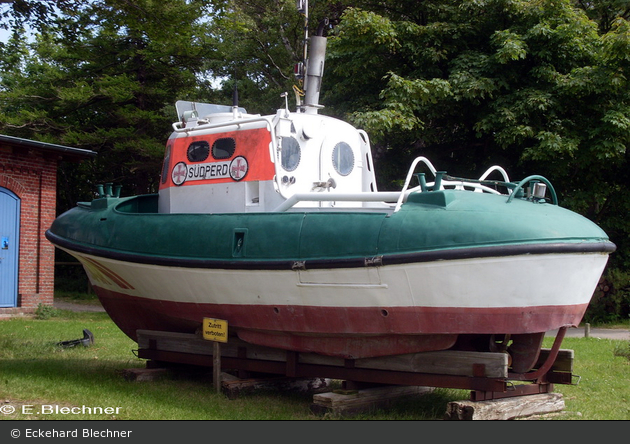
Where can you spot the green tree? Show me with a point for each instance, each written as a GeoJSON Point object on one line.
{"type": "Point", "coordinates": [531, 85]}
{"type": "Point", "coordinates": [104, 76]}
{"type": "Point", "coordinates": [605, 12]}
{"type": "Point", "coordinates": [260, 42]}
{"type": "Point", "coordinates": [15, 14]}
{"type": "Point", "coordinates": [538, 86]}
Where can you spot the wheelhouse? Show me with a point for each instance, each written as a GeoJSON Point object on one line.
{"type": "Point", "coordinates": [226, 162]}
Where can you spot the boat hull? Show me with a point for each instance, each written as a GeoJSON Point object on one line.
{"type": "Point", "coordinates": [354, 312]}
{"type": "Point", "coordinates": [449, 267]}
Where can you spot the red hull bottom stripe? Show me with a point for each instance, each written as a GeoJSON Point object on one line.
{"type": "Point", "coordinates": [339, 331]}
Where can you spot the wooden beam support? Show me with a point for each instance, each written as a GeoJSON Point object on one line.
{"type": "Point", "coordinates": [448, 362]}
{"type": "Point", "coordinates": [351, 402]}
{"type": "Point", "coordinates": [485, 374]}
{"type": "Point", "coordinates": [506, 408]}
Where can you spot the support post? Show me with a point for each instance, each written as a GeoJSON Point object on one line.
{"type": "Point", "coordinates": [216, 366]}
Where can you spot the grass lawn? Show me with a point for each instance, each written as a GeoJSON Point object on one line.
{"type": "Point", "coordinates": [39, 378]}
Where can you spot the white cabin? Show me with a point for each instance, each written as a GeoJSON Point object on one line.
{"type": "Point", "coordinates": [220, 159]}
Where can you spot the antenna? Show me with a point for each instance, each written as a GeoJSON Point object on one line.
{"type": "Point", "coordinates": [235, 95]}
{"type": "Point", "coordinates": [311, 69]}
{"type": "Point", "coordinates": [302, 7]}
{"type": "Point", "coordinates": [235, 98]}
{"type": "Point", "coordinates": [286, 103]}
{"type": "Point", "coordinates": [300, 67]}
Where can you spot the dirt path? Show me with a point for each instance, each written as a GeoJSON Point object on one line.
{"type": "Point", "coordinates": [64, 305]}
{"type": "Point", "coordinates": [601, 333]}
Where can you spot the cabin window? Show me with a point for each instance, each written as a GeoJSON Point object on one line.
{"type": "Point", "coordinates": [223, 148]}
{"type": "Point", "coordinates": [166, 164]}
{"type": "Point", "coordinates": [343, 158]}
{"type": "Point", "coordinates": [198, 151]}
{"type": "Point", "coordinates": [291, 152]}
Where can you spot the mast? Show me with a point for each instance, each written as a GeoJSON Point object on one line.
{"type": "Point", "coordinates": [313, 62]}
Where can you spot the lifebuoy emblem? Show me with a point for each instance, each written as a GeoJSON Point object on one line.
{"type": "Point", "coordinates": [238, 168]}
{"type": "Point", "coordinates": [179, 173]}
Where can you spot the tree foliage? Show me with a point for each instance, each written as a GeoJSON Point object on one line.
{"type": "Point", "coordinates": [104, 76]}
{"type": "Point", "coordinates": [532, 85]}
{"type": "Point", "coordinates": [260, 43]}
{"type": "Point", "coordinates": [538, 86]}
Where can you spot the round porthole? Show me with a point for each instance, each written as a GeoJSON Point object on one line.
{"type": "Point", "coordinates": [343, 158]}
{"type": "Point", "coordinates": [290, 154]}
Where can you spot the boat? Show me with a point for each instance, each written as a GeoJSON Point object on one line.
{"type": "Point", "coordinates": [275, 224]}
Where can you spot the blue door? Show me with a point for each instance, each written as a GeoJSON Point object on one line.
{"type": "Point", "coordinates": [9, 242]}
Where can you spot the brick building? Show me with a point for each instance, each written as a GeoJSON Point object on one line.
{"type": "Point", "coordinates": [28, 181]}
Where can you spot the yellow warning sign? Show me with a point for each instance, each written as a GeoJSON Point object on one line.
{"type": "Point", "coordinates": [215, 330]}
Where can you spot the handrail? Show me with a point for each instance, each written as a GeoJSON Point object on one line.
{"type": "Point", "coordinates": [269, 123]}
{"type": "Point", "coordinates": [415, 162]}
{"type": "Point", "coordinates": [495, 168]}
{"type": "Point", "coordinates": [233, 122]}
{"type": "Point", "coordinates": [398, 196]}
{"type": "Point", "coordinates": [478, 187]}
{"type": "Point", "coordinates": [379, 196]}
{"type": "Point", "coordinates": [519, 186]}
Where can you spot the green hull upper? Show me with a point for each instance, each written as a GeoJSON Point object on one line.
{"type": "Point", "coordinates": [442, 222]}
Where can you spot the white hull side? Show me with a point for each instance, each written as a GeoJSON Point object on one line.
{"type": "Point", "coordinates": [514, 281]}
